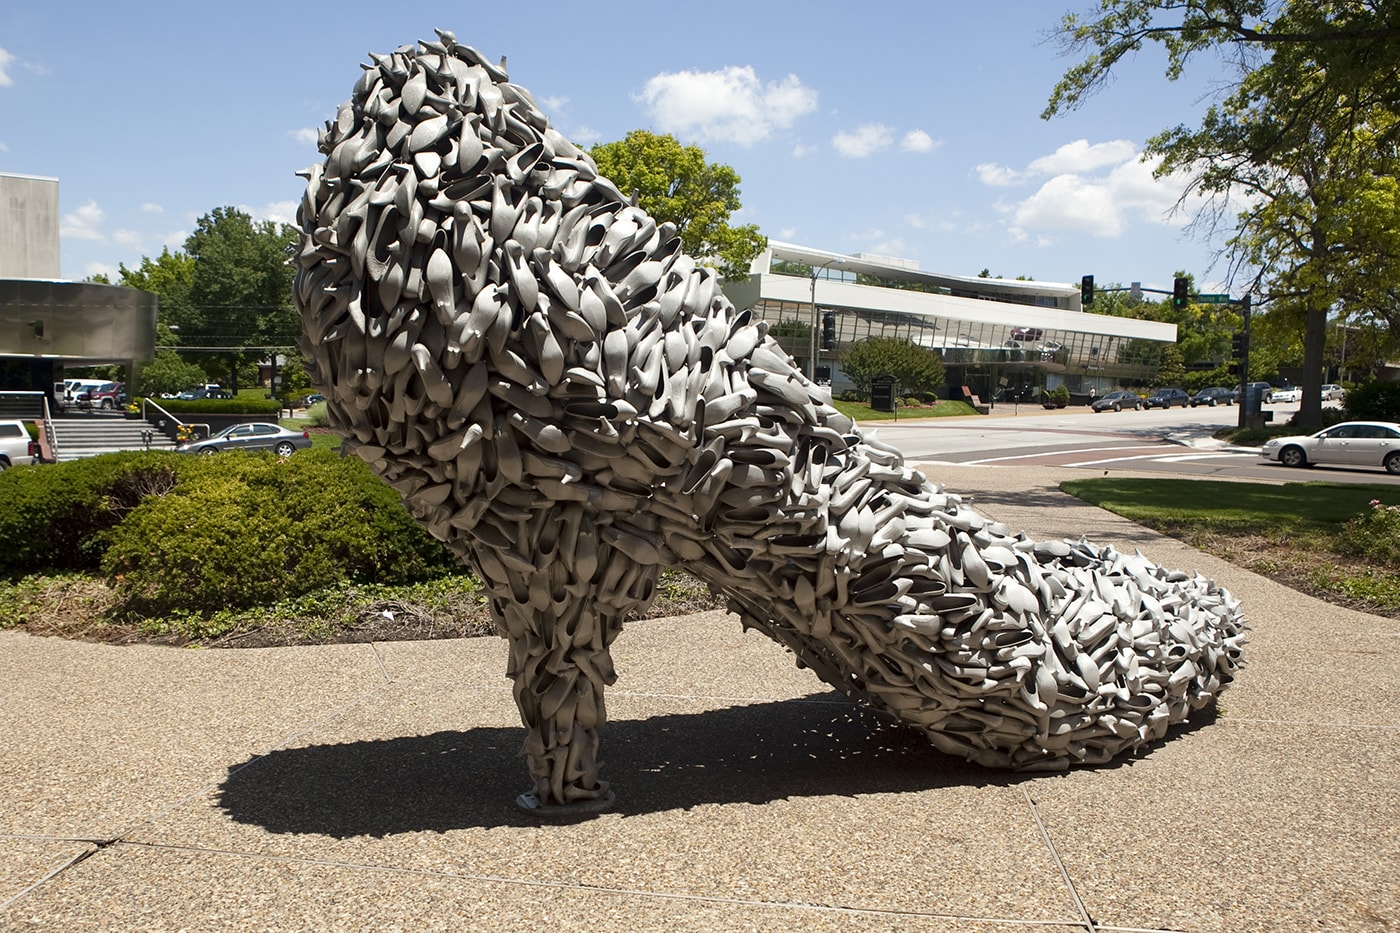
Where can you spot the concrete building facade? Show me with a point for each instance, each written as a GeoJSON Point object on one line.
{"type": "Point", "coordinates": [47, 324]}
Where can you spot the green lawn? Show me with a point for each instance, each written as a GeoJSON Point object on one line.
{"type": "Point", "coordinates": [1222, 507]}
{"type": "Point", "coordinates": [858, 411]}
{"type": "Point", "coordinates": [1296, 533]}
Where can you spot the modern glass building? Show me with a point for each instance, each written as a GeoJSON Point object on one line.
{"type": "Point", "coordinates": [995, 335]}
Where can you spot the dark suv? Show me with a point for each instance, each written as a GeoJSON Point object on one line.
{"type": "Point", "coordinates": [1166, 398]}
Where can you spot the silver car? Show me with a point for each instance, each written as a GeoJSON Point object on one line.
{"type": "Point", "coordinates": [1351, 443]}
{"type": "Point", "coordinates": [251, 436]}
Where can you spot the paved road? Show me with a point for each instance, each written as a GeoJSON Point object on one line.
{"type": "Point", "coordinates": [1178, 441]}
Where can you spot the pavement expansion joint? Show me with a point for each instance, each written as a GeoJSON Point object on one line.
{"type": "Point", "coordinates": [1059, 863]}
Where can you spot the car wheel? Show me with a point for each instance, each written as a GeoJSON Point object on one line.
{"type": "Point", "coordinates": [4, 464]}
{"type": "Point", "coordinates": [1392, 463]}
{"type": "Point", "coordinates": [284, 449]}
{"type": "Point", "coordinates": [106, 404]}
{"type": "Point", "coordinates": [1292, 457]}
{"type": "Point", "coordinates": [207, 451]}
{"type": "Point", "coordinates": [1212, 403]}
{"type": "Point", "coordinates": [1117, 407]}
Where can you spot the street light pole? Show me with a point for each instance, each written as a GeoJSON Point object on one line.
{"type": "Point", "coordinates": [812, 360]}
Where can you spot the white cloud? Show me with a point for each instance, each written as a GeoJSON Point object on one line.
{"type": "Point", "coordinates": [132, 238]}
{"type": "Point", "coordinates": [939, 224]}
{"type": "Point", "coordinates": [1073, 158]}
{"type": "Point", "coordinates": [552, 104]}
{"type": "Point", "coordinates": [787, 233]}
{"type": "Point", "coordinates": [175, 240]}
{"type": "Point", "coordinates": [997, 176]}
{"type": "Point", "coordinates": [729, 105]}
{"type": "Point", "coordinates": [868, 138]}
{"type": "Point", "coordinates": [101, 268]}
{"type": "Point", "coordinates": [799, 150]}
{"type": "Point", "coordinates": [6, 60]}
{"type": "Point", "coordinates": [280, 212]}
{"type": "Point", "coordinates": [1081, 156]}
{"type": "Point", "coordinates": [918, 141]}
{"type": "Point", "coordinates": [151, 207]}
{"type": "Point", "coordinates": [4, 148]}
{"type": "Point", "coordinates": [1079, 196]}
{"type": "Point", "coordinates": [306, 135]}
{"type": "Point", "coordinates": [584, 136]}
{"type": "Point", "coordinates": [83, 223]}
{"type": "Point", "coordinates": [1102, 206]}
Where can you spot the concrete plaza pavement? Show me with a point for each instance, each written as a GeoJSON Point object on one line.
{"type": "Point", "coordinates": [369, 787]}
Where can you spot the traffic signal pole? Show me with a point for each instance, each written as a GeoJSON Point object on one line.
{"type": "Point", "coordinates": [1244, 305]}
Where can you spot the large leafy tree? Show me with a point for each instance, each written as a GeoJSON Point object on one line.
{"type": "Point", "coordinates": [1305, 139]}
{"type": "Point", "coordinates": [916, 370]}
{"type": "Point", "coordinates": [241, 288]}
{"type": "Point", "coordinates": [675, 183]}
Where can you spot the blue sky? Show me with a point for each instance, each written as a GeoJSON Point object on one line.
{"type": "Point", "coordinates": [906, 129]}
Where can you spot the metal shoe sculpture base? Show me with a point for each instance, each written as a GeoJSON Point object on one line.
{"type": "Point", "coordinates": [569, 401]}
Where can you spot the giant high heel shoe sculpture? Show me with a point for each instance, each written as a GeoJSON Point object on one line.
{"type": "Point", "coordinates": [571, 403]}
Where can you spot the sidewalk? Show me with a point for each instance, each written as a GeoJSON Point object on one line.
{"type": "Point", "coordinates": [369, 787]}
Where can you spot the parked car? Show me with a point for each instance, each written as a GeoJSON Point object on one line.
{"type": "Point", "coordinates": [107, 396]}
{"type": "Point", "coordinates": [76, 392]}
{"type": "Point", "coordinates": [1027, 333]}
{"type": "Point", "coordinates": [1333, 392]}
{"type": "Point", "coordinates": [1351, 443]}
{"type": "Point", "coordinates": [203, 392]}
{"type": "Point", "coordinates": [1117, 401]}
{"type": "Point", "coordinates": [1263, 388]}
{"type": "Point", "coordinates": [1166, 398]}
{"type": "Point", "coordinates": [308, 400]}
{"type": "Point", "coordinates": [16, 448]}
{"type": "Point", "coordinates": [251, 436]}
{"type": "Point", "coordinates": [1286, 394]}
{"type": "Point", "coordinates": [1215, 395]}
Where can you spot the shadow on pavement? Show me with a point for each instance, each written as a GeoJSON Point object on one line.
{"type": "Point", "coordinates": [455, 780]}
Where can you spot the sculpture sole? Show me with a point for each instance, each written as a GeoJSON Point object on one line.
{"type": "Point", "coordinates": [570, 402]}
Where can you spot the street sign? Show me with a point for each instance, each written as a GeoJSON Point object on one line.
{"type": "Point", "coordinates": [1212, 299]}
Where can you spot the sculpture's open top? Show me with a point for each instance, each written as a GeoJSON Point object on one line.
{"type": "Point", "coordinates": [571, 403]}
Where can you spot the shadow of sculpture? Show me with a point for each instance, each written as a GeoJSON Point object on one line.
{"type": "Point", "coordinates": [815, 746]}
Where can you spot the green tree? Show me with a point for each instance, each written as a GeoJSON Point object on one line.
{"type": "Point", "coordinates": [170, 276]}
{"type": "Point", "coordinates": [674, 183]}
{"type": "Point", "coordinates": [166, 374]}
{"type": "Point", "coordinates": [916, 370]}
{"type": "Point", "coordinates": [241, 288]}
{"type": "Point", "coordinates": [1306, 139]}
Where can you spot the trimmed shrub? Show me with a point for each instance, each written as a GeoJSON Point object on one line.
{"type": "Point", "coordinates": [247, 529]}
{"type": "Point", "coordinates": [222, 406]}
{"type": "Point", "coordinates": [1374, 401]}
{"type": "Point", "coordinates": [55, 517]}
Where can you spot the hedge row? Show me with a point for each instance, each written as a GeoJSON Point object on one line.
{"type": "Point", "coordinates": [221, 406]}
{"type": "Point", "coordinates": [196, 534]}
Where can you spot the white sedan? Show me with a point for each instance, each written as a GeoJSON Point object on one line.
{"type": "Point", "coordinates": [1290, 394]}
{"type": "Point", "coordinates": [1351, 443]}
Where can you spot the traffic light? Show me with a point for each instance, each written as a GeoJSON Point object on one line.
{"type": "Point", "coordinates": [1181, 294]}
{"type": "Point", "coordinates": [1086, 290]}
{"type": "Point", "coordinates": [829, 330]}
{"type": "Point", "coordinates": [1238, 346]}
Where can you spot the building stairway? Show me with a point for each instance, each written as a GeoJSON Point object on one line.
{"type": "Point", "coordinates": [92, 433]}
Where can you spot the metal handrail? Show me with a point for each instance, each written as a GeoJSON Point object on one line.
{"type": "Point", "coordinates": [50, 436]}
